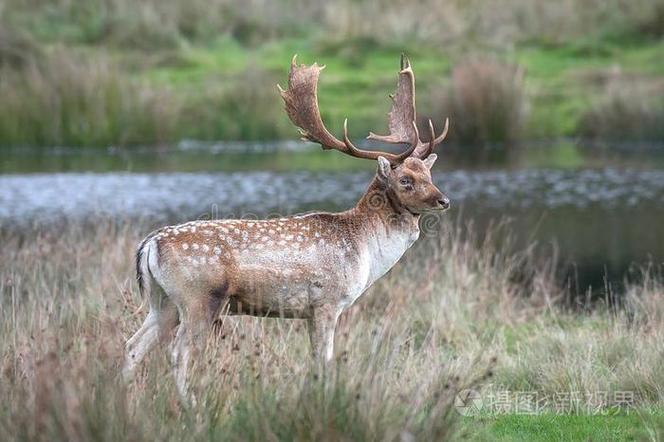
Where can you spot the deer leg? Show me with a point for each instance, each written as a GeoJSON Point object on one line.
{"type": "Point", "coordinates": [322, 325]}
{"type": "Point", "coordinates": [159, 321]}
{"type": "Point", "coordinates": [180, 359]}
{"type": "Point", "coordinates": [197, 319]}
{"type": "Point", "coordinates": [140, 344]}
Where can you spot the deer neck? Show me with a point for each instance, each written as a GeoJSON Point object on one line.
{"type": "Point", "coordinates": [388, 228]}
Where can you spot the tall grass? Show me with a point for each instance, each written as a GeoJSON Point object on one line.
{"type": "Point", "coordinates": [243, 106]}
{"type": "Point", "coordinates": [66, 99]}
{"type": "Point", "coordinates": [68, 305]}
{"type": "Point", "coordinates": [52, 56]}
{"type": "Point", "coordinates": [456, 311]}
{"type": "Point", "coordinates": [158, 24]}
{"type": "Point", "coordinates": [486, 100]}
{"type": "Point", "coordinates": [630, 109]}
{"type": "Point", "coordinates": [153, 24]}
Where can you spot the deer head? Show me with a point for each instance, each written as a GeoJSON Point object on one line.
{"type": "Point", "coordinates": [406, 175]}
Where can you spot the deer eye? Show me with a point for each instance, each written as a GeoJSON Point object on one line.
{"type": "Point", "coordinates": [404, 181]}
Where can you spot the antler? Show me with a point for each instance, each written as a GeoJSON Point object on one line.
{"type": "Point", "coordinates": [424, 150]}
{"type": "Point", "coordinates": [302, 107]}
{"type": "Point", "coordinates": [403, 113]}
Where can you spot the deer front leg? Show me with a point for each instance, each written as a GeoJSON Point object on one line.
{"type": "Point", "coordinates": [322, 325]}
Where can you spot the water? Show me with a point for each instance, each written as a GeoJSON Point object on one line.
{"type": "Point", "coordinates": [603, 220]}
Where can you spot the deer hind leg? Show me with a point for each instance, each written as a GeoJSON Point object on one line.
{"type": "Point", "coordinates": [322, 325]}
{"type": "Point", "coordinates": [197, 317]}
{"type": "Point", "coordinates": [161, 319]}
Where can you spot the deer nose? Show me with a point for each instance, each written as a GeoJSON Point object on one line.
{"type": "Point", "coordinates": [444, 202]}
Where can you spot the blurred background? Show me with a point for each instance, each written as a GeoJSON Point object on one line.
{"type": "Point", "coordinates": [167, 110]}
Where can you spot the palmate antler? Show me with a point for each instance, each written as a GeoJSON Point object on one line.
{"type": "Point", "coordinates": [302, 107]}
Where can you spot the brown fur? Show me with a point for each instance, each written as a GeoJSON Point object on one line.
{"type": "Point", "coordinates": [309, 266]}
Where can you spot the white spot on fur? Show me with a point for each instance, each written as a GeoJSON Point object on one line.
{"type": "Point", "coordinates": [217, 251]}
{"type": "Point", "coordinates": [194, 246]}
{"type": "Point", "coordinates": [185, 246]}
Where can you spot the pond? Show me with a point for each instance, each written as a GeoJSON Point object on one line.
{"type": "Point", "coordinates": [603, 218]}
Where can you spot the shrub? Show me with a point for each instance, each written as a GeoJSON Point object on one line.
{"type": "Point", "coordinates": [16, 47]}
{"type": "Point", "coordinates": [68, 100]}
{"type": "Point", "coordinates": [486, 102]}
{"type": "Point", "coordinates": [628, 110]}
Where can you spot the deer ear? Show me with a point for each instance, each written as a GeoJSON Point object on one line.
{"type": "Point", "coordinates": [384, 168]}
{"type": "Point", "coordinates": [430, 160]}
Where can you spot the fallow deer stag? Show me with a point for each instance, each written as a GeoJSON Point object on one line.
{"type": "Point", "coordinates": [308, 266]}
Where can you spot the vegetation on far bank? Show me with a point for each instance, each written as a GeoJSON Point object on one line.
{"type": "Point", "coordinates": [457, 313]}
{"type": "Point", "coordinates": [116, 72]}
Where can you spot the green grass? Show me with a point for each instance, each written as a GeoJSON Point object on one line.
{"type": "Point", "coordinates": [632, 426]}
{"type": "Point", "coordinates": [356, 86]}
{"type": "Point", "coordinates": [218, 82]}
{"type": "Point", "coordinates": [560, 79]}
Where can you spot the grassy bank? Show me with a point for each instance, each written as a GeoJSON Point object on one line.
{"type": "Point", "coordinates": [114, 72]}
{"type": "Point", "coordinates": [455, 314]}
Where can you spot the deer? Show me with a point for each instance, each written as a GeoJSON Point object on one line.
{"type": "Point", "coordinates": [310, 266]}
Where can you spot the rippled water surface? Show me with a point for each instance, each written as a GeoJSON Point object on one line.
{"type": "Point", "coordinates": [166, 196]}
{"type": "Point", "coordinates": [602, 219]}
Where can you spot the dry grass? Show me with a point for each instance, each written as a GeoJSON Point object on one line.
{"type": "Point", "coordinates": [154, 24]}
{"type": "Point", "coordinates": [452, 310]}
{"type": "Point", "coordinates": [158, 23]}
{"type": "Point", "coordinates": [630, 109]}
{"type": "Point", "coordinates": [486, 100]}
{"type": "Point", "coordinates": [63, 98]}
{"type": "Point", "coordinates": [72, 97]}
